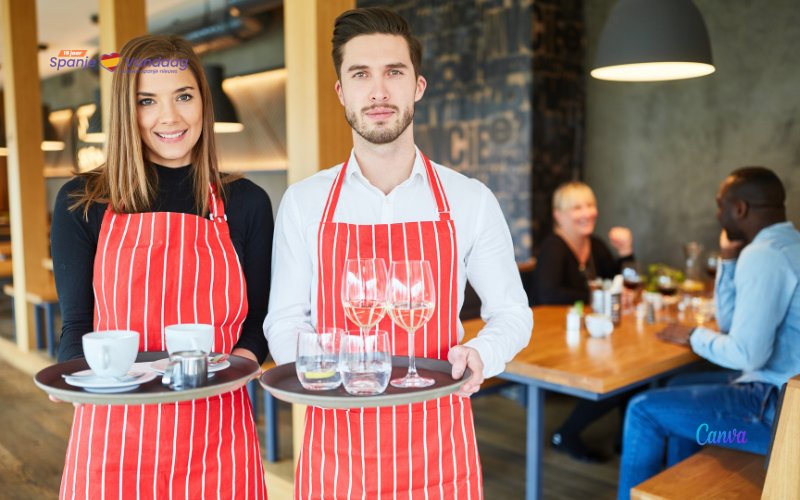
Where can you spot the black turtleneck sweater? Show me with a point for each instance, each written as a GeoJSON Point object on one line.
{"type": "Point", "coordinates": [73, 242]}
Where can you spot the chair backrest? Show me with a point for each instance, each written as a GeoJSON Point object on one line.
{"type": "Point", "coordinates": [783, 458]}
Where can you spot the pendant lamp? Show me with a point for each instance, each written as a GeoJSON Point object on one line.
{"type": "Point", "coordinates": [94, 130]}
{"type": "Point", "coordinates": [225, 118]}
{"type": "Point", "coordinates": [3, 148]}
{"type": "Point", "coordinates": [51, 140]}
{"type": "Point", "coordinates": [653, 40]}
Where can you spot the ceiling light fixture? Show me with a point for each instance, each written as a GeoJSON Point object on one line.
{"type": "Point", "coordinates": [653, 40]}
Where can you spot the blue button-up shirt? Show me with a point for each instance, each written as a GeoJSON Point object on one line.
{"type": "Point", "coordinates": [758, 305]}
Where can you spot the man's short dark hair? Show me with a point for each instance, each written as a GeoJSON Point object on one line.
{"type": "Point", "coordinates": [369, 21]}
{"type": "Point", "coordinates": [758, 186]}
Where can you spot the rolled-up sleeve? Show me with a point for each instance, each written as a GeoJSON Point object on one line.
{"type": "Point", "coordinates": [493, 273]}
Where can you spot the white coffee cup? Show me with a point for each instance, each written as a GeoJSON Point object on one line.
{"type": "Point", "coordinates": [111, 353]}
{"type": "Point", "coordinates": [599, 325]}
{"type": "Point", "coordinates": [189, 337]}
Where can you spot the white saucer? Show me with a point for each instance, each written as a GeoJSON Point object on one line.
{"type": "Point", "coordinates": [161, 365]}
{"type": "Point", "coordinates": [87, 380]}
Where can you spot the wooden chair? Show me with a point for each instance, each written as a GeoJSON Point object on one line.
{"type": "Point", "coordinates": [731, 474]}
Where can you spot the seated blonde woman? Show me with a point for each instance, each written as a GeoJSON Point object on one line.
{"type": "Point", "coordinates": [572, 256]}
{"type": "Point", "coordinates": [568, 259]}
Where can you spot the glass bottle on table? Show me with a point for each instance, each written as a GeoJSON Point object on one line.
{"type": "Point", "coordinates": [412, 299]}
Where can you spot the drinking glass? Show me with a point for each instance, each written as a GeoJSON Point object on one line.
{"type": "Point", "coordinates": [632, 280]}
{"type": "Point", "coordinates": [702, 309]}
{"type": "Point", "coordinates": [668, 287]}
{"type": "Point", "coordinates": [364, 292]}
{"type": "Point", "coordinates": [412, 298]}
{"type": "Point", "coordinates": [365, 362]}
{"type": "Point", "coordinates": [317, 361]}
{"type": "Point", "coordinates": [711, 265]}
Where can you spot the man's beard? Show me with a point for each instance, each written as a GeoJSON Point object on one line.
{"type": "Point", "coordinates": [383, 135]}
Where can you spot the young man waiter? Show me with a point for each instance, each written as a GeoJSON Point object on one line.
{"type": "Point", "coordinates": [387, 200]}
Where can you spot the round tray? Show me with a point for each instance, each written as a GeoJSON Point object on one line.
{"type": "Point", "coordinates": [51, 381]}
{"type": "Point", "coordinates": [282, 382]}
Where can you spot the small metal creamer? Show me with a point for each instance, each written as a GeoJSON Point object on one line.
{"type": "Point", "coordinates": [186, 370]}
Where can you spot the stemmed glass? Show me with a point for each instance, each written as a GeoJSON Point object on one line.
{"type": "Point", "coordinates": [632, 280]}
{"type": "Point", "coordinates": [667, 286]}
{"type": "Point", "coordinates": [364, 292]}
{"type": "Point", "coordinates": [412, 298]}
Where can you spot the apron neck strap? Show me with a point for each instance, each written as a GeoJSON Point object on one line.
{"type": "Point", "coordinates": [216, 208]}
{"type": "Point", "coordinates": [442, 206]}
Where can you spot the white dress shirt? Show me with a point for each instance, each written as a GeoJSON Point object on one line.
{"type": "Point", "coordinates": [485, 254]}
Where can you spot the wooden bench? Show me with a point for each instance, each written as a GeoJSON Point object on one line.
{"type": "Point", "coordinates": [44, 301]}
{"type": "Point", "coordinates": [732, 474]}
{"type": "Point", "coordinates": [711, 473]}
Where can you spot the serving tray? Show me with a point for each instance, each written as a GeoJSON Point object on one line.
{"type": "Point", "coordinates": [235, 376]}
{"type": "Point", "coordinates": [282, 382]}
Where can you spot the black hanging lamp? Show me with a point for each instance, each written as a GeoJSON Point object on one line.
{"type": "Point", "coordinates": [94, 130]}
{"type": "Point", "coordinates": [51, 141]}
{"type": "Point", "coordinates": [653, 40]}
{"type": "Point", "coordinates": [225, 118]}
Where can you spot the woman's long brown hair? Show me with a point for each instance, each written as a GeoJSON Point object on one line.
{"type": "Point", "coordinates": [126, 181]}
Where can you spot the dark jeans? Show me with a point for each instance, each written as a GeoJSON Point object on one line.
{"type": "Point", "coordinates": [672, 418]}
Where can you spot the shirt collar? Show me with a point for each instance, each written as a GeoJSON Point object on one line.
{"type": "Point", "coordinates": [354, 170]}
{"type": "Point", "coordinates": [774, 228]}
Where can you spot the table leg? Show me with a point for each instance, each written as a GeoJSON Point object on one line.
{"type": "Point", "coordinates": [271, 426]}
{"type": "Point", "coordinates": [534, 442]}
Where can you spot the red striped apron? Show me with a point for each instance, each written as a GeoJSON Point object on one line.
{"type": "Point", "coordinates": [423, 450]}
{"type": "Point", "coordinates": [155, 269]}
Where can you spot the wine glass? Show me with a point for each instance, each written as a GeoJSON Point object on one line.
{"type": "Point", "coordinates": [632, 280]}
{"type": "Point", "coordinates": [364, 292]}
{"type": "Point", "coordinates": [412, 298]}
{"type": "Point", "coordinates": [667, 286]}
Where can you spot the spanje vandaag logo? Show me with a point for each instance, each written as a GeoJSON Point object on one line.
{"type": "Point", "coordinates": [72, 59]}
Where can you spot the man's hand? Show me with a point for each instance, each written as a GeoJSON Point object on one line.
{"type": "Point", "coordinates": [462, 357]}
{"type": "Point", "coordinates": [675, 334]}
{"type": "Point", "coordinates": [621, 239]}
{"type": "Point", "coordinates": [729, 249]}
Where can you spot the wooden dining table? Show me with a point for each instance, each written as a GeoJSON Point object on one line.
{"type": "Point", "coordinates": [582, 366]}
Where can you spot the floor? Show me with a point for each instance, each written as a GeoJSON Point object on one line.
{"type": "Point", "coordinates": [31, 455]}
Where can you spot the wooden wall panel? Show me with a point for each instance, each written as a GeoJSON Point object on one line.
{"type": "Point", "coordinates": [23, 122]}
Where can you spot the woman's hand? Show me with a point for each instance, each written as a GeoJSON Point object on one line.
{"type": "Point", "coordinates": [621, 239]}
{"type": "Point", "coordinates": [56, 400]}
{"type": "Point", "coordinates": [245, 353]}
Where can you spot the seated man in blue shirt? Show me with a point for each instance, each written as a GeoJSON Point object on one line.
{"type": "Point", "coordinates": [758, 305]}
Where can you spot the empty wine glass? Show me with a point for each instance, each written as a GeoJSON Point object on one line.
{"type": "Point", "coordinates": [364, 292]}
{"type": "Point", "coordinates": [412, 298]}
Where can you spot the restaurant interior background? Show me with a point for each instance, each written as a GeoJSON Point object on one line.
{"type": "Point", "coordinates": [510, 101]}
